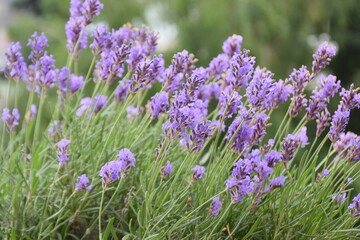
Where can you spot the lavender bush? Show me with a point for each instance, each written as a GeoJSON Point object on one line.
{"type": "Point", "coordinates": [196, 160]}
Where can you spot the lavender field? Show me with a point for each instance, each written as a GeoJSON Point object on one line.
{"type": "Point", "coordinates": [143, 148]}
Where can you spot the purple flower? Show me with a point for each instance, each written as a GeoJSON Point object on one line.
{"type": "Point", "coordinates": [232, 45]}
{"type": "Point", "coordinates": [55, 129]}
{"type": "Point", "coordinates": [209, 91]}
{"type": "Point", "coordinates": [63, 76]}
{"type": "Point", "coordinates": [260, 89]}
{"type": "Point", "coordinates": [350, 99]}
{"type": "Point", "coordinates": [121, 91]}
{"type": "Point", "coordinates": [322, 122]}
{"type": "Point", "coordinates": [348, 146]}
{"type": "Point", "coordinates": [241, 70]}
{"type": "Point", "coordinates": [299, 79]}
{"type": "Point", "coordinates": [75, 82]}
{"type": "Point", "coordinates": [95, 104]}
{"type": "Point", "coordinates": [37, 44]}
{"type": "Point", "coordinates": [326, 172]}
{"type": "Point", "coordinates": [111, 64]}
{"type": "Point", "coordinates": [317, 103]}
{"type": "Point", "coordinates": [198, 172]}
{"type": "Point", "coordinates": [340, 198]}
{"type": "Point", "coordinates": [101, 37]}
{"type": "Point", "coordinates": [90, 9]}
{"type": "Point", "coordinates": [298, 101]}
{"type": "Point", "coordinates": [166, 170]}
{"type": "Point", "coordinates": [229, 100]}
{"type": "Point", "coordinates": [158, 104]}
{"type": "Point", "coordinates": [218, 66]}
{"type": "Point", "coordinates": [195, 81]}
{"type": "Point", "coordinates": [277, 182]}
{"type": "Point", "coordinates": [281, 92]}
{"type": "Point", "coordinates": [199, 134]}
{"type": "Point", "coordinates": [76, 34]}
{"type": "Point", "coordinates": [272, 158]}
{"type": "Point", "coordinates": [126, 159]}
{"type": "Point", "coordinates": [323, 56]}
{"type": "Point", "coordinates": [46, 75]}
{"type": "Point", "coordinates": [215, 206]}
{"type": "Point", "coordinates": [291, 143]}
{"type": "Point", "coordinates": [15, 66]}
{"type": "Point", "coordinates": [355, 206]}
{"type": "Point", "coordinates": [11, 119]}
{"type": "Point", "coordinates": [83, 182]}
{"type": "Point", "coordinates": [110, 172]}
{"type": "Point", "coordinates": [63, 153]}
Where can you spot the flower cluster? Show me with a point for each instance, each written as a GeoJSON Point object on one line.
{"type": "Point", "coordinates": [11, 119]}
{"type": "Point", "coordinates": [83, 182]}
{"type": "Point", "coordinates": [355, 206]}
{"type": "Point", "coordinates": [251, 174]}
{"type": "Point", "coordinates": [63, 152]}
{"type": "Point", "coordinates": [111, 170]}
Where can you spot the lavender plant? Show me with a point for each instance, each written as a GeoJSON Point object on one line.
{"type": "Point", "coordinates": [199, 159]}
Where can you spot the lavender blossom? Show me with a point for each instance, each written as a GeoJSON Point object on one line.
{"type": "Point", "coordinates": [299, 79]}
{"type": "Point", "coordinates": [15, 66]}
{"type": "Point", "coordinates": [198, 172]}
{"type": "Point", "coordinates": [37, 44]}
{"type": "Point", "coordinates": [340, 198]}
{"type": "Point", "coordinates": [232, 45]}
{"type": "Point", "coordinates": [199, 134]}
{"type": "Point", "coordinates": [355, 206]}
{"type": "Point", "coordinates": [348, 146]}
{"type": "Point", "coordinates": [121, 91]}
{"type": "Point", "coordinates": [46, 75]}
{"type": "Point", "coordinates": [318, 101]}
{"type": "Point", "coordinates": [215, 206]}
{"type": "Point", "coordinates": [350, 99]}
{"type": "Point", "coordinates": [259, 91]}
{"type": "Point", "coordinates": [229, 102]}
{"type": "Point", "coordinates": [76, 34]}
{"type": "Point", "coordinates": [166, 170]}
{"type": "Point", "coordinates": [90, 9]}
{"type": "Point", "coordinates": [11, 119]}
{"type": "Point", "coordinates": [158, 104]}
{"type": "Point", "coordinates": [323, 56]}
{"type": "Point", "coordinates": [195, 81]}
{"type": "Point", "coordinates": [291, 143]}
{"type": "Point", "coordinates": [322, 122]}
{"type": "Point", "coordinates": [241, 69]}
{"type": "Point", "coordinates": [95, 105]}
{"type": "Point", "coordinates": [83, 182]}
{"type": "Point", "coordinates": [126, 159]}
{"type": "Point", "coordinates": [280, 93]}
{"type": "Point", "coordinates": [326, 172]}
{"type": "Point", "coordinates": [298, 101]}
{"type": "Point", "coordinates": [272, 158]}
{"type": "Point", "coordinates": [63, 76]}
{"type": "Point", "coordinates": [218, 66]}
{"type": "Point", "coordinates": [63, 153]}
{"type": "Point", "coordinates": [277, 182]}
{"type": "Point", "coordinates": [101, 37]}
{"type": "Point", "coordinates": [110, 172]}
{"type": "Point", "coordinates": [75, 83]}
{"type": "Point", "coordinates": [31, 114]}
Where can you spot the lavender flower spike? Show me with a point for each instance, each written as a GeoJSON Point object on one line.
{"type": "Point", "coordinates": [323, 56]}
{"type": "Point", "coordinates": [232, 45]}
{"type": "Point", "coordinates": [355, 206]}
{"type": "Point", "coordinates": [277, 182]}
{"type": "Point", "coordinates": [83, 182]}
{"type": "Point", "coordinates": [215, 206]}
{"type": "Point", "coordinates": [126, 159]}
{"type": "Point", "coordinates": [166, 170]}
{"type": "Point", "coordinates": [15, 66]}
{"type": "Point", "coordinates": [11, 120]}
{"type": "Point", "coordinates": [110, 172]}
{"type": "Point", "coordinates": [75, 82]}
{"type": "Point", "coordinates": [198, 172]}
{"type": "Point", "coordinates": [159, 103]}
{"type": "Point", "coordinates": [37, 44]}
{"type": "Point", "coordinates": [63, 153]}
{"type": "Point", "coordinates": [90, 9]}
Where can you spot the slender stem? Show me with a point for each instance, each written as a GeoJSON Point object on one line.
{"type": "Point", "coordinates": [100, 212]}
